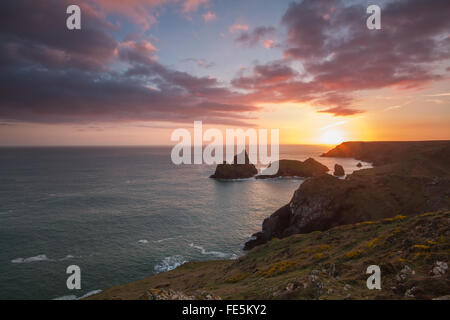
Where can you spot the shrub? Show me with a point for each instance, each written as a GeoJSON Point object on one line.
{"type": "Point", "coordinates": [372, 242]}
{"type": "Point", "coordinates": [236, 278]}
{"type": "Point", "coordinates": [279, 268]}
{"type": "Point", "coordinates": [420, 247]}
{"type": "Point", "coordinates": [353, 254]}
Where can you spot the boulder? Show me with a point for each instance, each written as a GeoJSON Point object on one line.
{"type": "Point", "coordinates": [338, 170]}
{"type": "Point", "coordinates": [359, 165]}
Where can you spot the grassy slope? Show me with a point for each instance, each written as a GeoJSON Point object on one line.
{"type": "Point", "coordinates": [319, 265]}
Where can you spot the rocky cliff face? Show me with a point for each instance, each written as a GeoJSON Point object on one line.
{"type": "Point", "coordinates": [338, 170]}
{"type": "Point", "coordinates": [409, 187]}
{"type": "Point", "coordinates": [381, 153]}
{"type": "Point", "coordinates": [412, 252]}
{"type": "Point", "coordinates": [235, 170]}
{"type": "Point", "coordinates": [294, 168]}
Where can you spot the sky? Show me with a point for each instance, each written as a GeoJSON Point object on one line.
{"type": "Point", "coordinates": [139, 69]}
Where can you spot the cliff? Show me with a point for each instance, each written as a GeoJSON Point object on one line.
{"type": "Point", "coordinates": [295, 168]}
{"type": "Point", "coordinates": [381, 153]}
{"type": "Point", "coordinates": [414, 180]}
{"type": "Point", "coordinates": [319, 245]}
{"type": "Point", "coordinates": [412, 253]}
{"type": "Point", "coordinates": [235, 170]}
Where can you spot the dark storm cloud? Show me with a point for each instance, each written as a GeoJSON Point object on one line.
{"type": "Point", "coordinates": [52, 75]}
{"type": "Point", "coordinates": [340, 55]}
{"type": "Point", "coordinates": [253, 37]}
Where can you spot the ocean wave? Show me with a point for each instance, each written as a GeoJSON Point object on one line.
{"type": "Point", "coordinates": [143, 241]}
{"type": "Point", "coordinates": [165, 239]}
{"type": "Point", "coordinates": [40, 257]}
{"type": "Point", "coordinates": [170, 263]}
{"type": "Point", "coordinates": [69, 256]}
{"type": "Point", "coordinates": [74, 297]}
{"type": "Point", "coordinates": [212, 253]}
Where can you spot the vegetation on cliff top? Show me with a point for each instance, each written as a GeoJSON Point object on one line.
{"type": "Point", "coordinates": [412, 252]}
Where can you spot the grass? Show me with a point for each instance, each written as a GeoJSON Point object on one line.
{"type": "Point", "coordinates": [318, 265]}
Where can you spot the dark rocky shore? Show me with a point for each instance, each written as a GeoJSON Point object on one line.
{"type": "Point", "coordinates": [412, 253]}
{"type": "Point", "coordinates": [235, 170]}
{"type": "Point", "coordinates": [319, 245]}
{"type": "Point", "coordinates": [294, 168]}
{"type": "Point", "coordinates": [409, 178]}
{"type": "Point", "coordinates": [286, 168]}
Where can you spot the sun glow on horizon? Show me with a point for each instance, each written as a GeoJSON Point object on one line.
{"type": "Point", "coordinates": [332, 137]}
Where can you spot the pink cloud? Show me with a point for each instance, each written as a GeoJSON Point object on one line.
{"type": "Point", "coordinates": [238, 27]}
{"type": "Point", "coordinates": [268, 44]}
{"type": "Point", "coordinates": [193, 5]}
{"type": "Point", "coordinates": [209, 16]}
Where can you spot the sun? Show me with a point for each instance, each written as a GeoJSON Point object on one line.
{"type": "Point", "coordinates": [332, 137]}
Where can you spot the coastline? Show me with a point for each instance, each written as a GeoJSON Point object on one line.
{"type": "Point", "coordinates": [421, 161]}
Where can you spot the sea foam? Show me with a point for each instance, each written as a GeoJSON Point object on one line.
{"type": "Point", "coordinates": [74, 297]}
{"type": "Point", "coordinates": [40, 257]}
{"type": "Point", "coordinates": [212, 253]}
{"type": "Point", "coordinates": [170, 263]}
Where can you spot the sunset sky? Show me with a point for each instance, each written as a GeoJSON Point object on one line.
{"type": "Point", "coordinates": [139, 69]}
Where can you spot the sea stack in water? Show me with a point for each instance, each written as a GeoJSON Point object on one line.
{"type": "Point", "coordinates": [294, 168]}
{"type": "Point", "coordinates": [359, 165]}
{"type": "Point", "coordinates": [338, 170]}
{"type": "Point", "coordinates": [235, 171]}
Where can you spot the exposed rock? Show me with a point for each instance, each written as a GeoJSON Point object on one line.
{"type": "Point", "coordinates": [347, 287]}
{"type": "Point", "coordinates": [169, 294]}
{"type": "Point", "coordinates": [294, 168]}
{"type": "Point", "coordinates": [162, 294]}
{"type": "Point", "coordinates": [320, 203]}
{"type": "Point", "coordinates": [235, 170]}
{"type": "Point", "coordinates": [381, 153]}
{"type": "Point", "coordinates": [404, 274]}
{"type": "Point", "coordinates": [290, 286]}
{"type": "Point", "coordinates": [272, 227]}
{"type": "Point", "coordinates": [338, 170]}
{"type": "Point", "coordinates": [287, 268]}
{"type": "Point", "coordinates": [440, 268]}
{"type": "Point", "coordinates": [410, 293]}
{"type": "Point", "coordinates": [359, 165]}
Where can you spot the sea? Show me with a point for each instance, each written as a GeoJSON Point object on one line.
{"type": "Point", "coordinates": [122, 214]}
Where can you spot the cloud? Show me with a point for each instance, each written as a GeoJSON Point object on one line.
{"type": "Point", "coordinates": [238, 27]}
{"type": "Point", "coordinates": [193, 5]}
{"type": "Point", "coordinates": [339, 56]}
{"type": "Point", "coordinates": [340, 123]}
{"type": "Point", "coordinates": [446, 94]}
{"type": "Point", "coordinates": [200, 63]}
{"type": "Point", "coordinates": [392, 107]}
{"type": "Point", "coordinates": [269, 44]}
{"type": "Point", "coordinates": [329, 36]}
{"type": "Point", "coordinates": [42, 40]}
{"type": "Point", "coordinates": [265, 75]}
{"type": "Point", "coordinates": [91, 76]}
{"type": "Point", "coordinates": [72, 77]}
{"type": "Point", "coordinates": [341, 111]}
{"type": "Point", "coordinates": [253, 38]}
{"type": "Point", "coordinates": [209, 16]}
{"type": "Point", "coordinates": [143, 12]}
